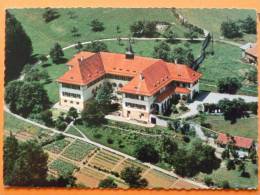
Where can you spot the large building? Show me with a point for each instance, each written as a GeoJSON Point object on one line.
{"type": "Point", "coordinates": [143, 85]}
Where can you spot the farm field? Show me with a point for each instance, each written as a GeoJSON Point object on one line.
{"type": "Point", "coordinates": [44, 35]}
{"type": "Point", "coordinates": [215, 17]}
{"type": "Point", "coordinates": [57, 146]}
{"type": "Point", "coordinates": [246, 127]}
{"type": "Point", "coordinates": [62, 167]}
{"type": "Point", "coordinates": [158, 179]}
{"type": "Point", "coordinates": [77, 150]}
{"type": "Point", "coordinates": [105, 160]}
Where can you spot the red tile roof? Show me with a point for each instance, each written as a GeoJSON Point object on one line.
{"type": "Point", "coordinates": [252, 50]}
{"type": "Point", "coordinates": [241, 142]}
{"type": "Point", "coordinates": [149, 74]}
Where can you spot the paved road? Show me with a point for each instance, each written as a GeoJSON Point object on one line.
{"type": "Point", "coordinates": [85, 139]}
{"type": "Point", "coordinates": [211, 97]}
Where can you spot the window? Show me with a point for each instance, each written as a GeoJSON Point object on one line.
{"type": "Point", "coordinates": [77, 103]}
{"type": "Point", "coordinates": [71, 102]}
{"type": "Point", "coordinates": [67, 94]}
{"type": "Point", "coordinates": [142, 97]}
{"type": "Point", "coordinates": [70, 86]}
{"type": "Point", "coordinates": [65, 100]}
{"type": "Point", "coordinates": [138, 106]}
{"type": "Point", "coordinates": [131, 96]}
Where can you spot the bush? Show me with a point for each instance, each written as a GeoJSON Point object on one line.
{"type": "Point", "coordinates": [97, 135]}
{"type": "Point", "coordinates": [96, 25]}
{"type": "Point", "coordinates": [229, 85]}
{"type": "Point", "coordinates": [230, 29]}
{"type": "Point", "coordinates": [208, 181]}
{"type": "Point", "coordinates": [110, 141]}
{"type": "Point", "coordinates": [225, 184]}
{"type": "Point", "coordinates": [231, 165]}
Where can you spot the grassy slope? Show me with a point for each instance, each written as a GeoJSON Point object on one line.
{"type": "Point", "coordinates": [233, 176]}
{"type": "Point", "coordinates": [211, 19]}
{"type": "Point", "coordinates": [243, 127]}
{"type": "Point", "coordinates": [45, 35]}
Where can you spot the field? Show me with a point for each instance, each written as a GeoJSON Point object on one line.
{"type": "Point", "coordinates": [158, 179]}
{"type": "Point", "coordinates": [44, 35]}
{"type": "Point", "coordinates": [105, 160]}
{"type": "Point", "coordinates": [78, 150]}
{"type": "Point", "coordinates": [62, 167]}
{"type": "Point", "coordinates": [246, 127]}
{"type": "Point", "coordinates": [57, 146]}
{"type": "Point", "coordinates": [214, 18]}
{"type": "Point", "coordinates": [73, 131]}
{"type": "Point", "coordinates": [233, 176]}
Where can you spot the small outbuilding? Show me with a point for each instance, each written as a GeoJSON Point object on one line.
{"type": "Point", "coordinates": [249, 53]}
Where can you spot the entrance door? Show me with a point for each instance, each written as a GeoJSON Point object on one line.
{"type": "Point", "coordinates": [153, 120]}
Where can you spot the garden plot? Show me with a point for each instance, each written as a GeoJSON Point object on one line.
{"type": "Point", "coordinates": [130, 163]}
{"type": "Point", "coordinates": [182, 184]}
{"type": "Point", "coordinates": [61, 167]}
{"type": "Point", "coordinates": [105, 159]}
{"type": "Point", "coordinates": [57, 146]}
{"type": "Point", "coordinates": [89, 177]}
{"type": "Point", "coordinates": [157, 179]}
{"type": "Point", "coordinates": [78, 150]}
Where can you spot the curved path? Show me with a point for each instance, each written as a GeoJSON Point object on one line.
{"type": "Point", "coordinates": [87, 140]}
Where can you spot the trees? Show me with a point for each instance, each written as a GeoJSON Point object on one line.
{"type": "Point", "coordinates": [233, 109]}
{"type": "Point", "coordinates": [143, 28]}
{"type": "Point", "coordinates": [105, 96]}
{"type": "Point", "coordinates": [147, 153]}
{"type": "Point", "coordinates": [79, 46]}
{"type": "Point", "coordinates": [192, 34]}
{"type": "Point", "coordinates": [73, 113]}
{"type": "Point", "coordinates": [18, 48]}
{"type": "Point", "coordinates": [92, 114]}
{"type": "Point", "coordinates": [56, 53]}
{"type": "Point", "coordinates": [169, 148]}
{"type": "Point", "coordinates": [251, 75]}
{"type": "Point", "coordinates": [36, 75]}
{"type": "Point", "coordinates": [46, 117]}
{"type": "Point", "coordinates": [96, 25]}
{"type": "Point", "coordinates": [182, 55]}
{"type": "Point", "coordinates": [11, 152]}
{"type": "Point", "coordinates": [162, 51]}
{"type": "Point", "coordinates": [50, 14]}
{"type": "Point", "coordinates": [170, 36]}
{"type": "Point", "coordinates": [26, 98]}
{"type": "Point", "coordinates": [96, 46]}
{"type": "Point", "coordinates": [248, 25]}
{"type": "Point", "coordinates": [75, 32]}
{"type": "Point", "coordinates": [132, 176]}
{"type": "Point", "coordinates": [27, 166]}
{"type": "Point", "coordinates": [230, 29]}
{"type": "Point", "coordinates": [229, 85]}
{"type": "Point", "coordinates": [107, 183]}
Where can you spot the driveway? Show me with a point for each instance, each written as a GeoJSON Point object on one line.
{"type": "Point", "coordinates": [211, 97]}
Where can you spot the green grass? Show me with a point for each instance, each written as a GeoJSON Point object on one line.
{"type": "Point", "coordinates": [44, 35]}
{"type": "Point", "coordinates": [211, 19]}
{"type": "Point", "coordinates": [73, 131]}
{"type": "Point", "coordinates": [233, 177]}
{"type": "Point", "coordinates": [57, 146]}
{"type": "Point", "coordinates": [78, 150]}
{"type": "Point", "coordinates": [62, 167]}
{"type": "Point", "coordinates": [246, 127]}
{"type": "Point", "coordinates": [16, 125]}
{"type": "Point", "coordinates": [224, 63]}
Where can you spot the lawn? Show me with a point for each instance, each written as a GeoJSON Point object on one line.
{"type": "Point", "coordinates": [44, 35]}
{"type": "Point", "coordinates": [62, 167]}
{"type": "Point", "coordinates": [246, 127]}
{"type": "Point", "coordinates": [211, 19]}
{"type": "Point", "coordinates": [225, 62]}
{"type": "Point", "coordinates": [233, 176]}
{"type": "Point", "coordinates": [78, 150]}
{"type": "Point", "coordinates": [16, 125]}
{"type": "Point", "coordinates": [73, 131]}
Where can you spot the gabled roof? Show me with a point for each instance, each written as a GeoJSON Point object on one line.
{"type": "Point", "coordinates": [148, 74]}
{"type": "Point", "coordinates": [252, 50]}
{"type": "Point", "coordinates": [241, 142]}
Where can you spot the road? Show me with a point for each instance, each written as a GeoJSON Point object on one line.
{"type": "Point", "coordinates": [87, 140]}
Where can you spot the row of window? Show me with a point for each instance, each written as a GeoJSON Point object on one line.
{"type": "Point", "coordinates": [71, 102]}
{"type": "Point", "coordinates": [122, 78]}
{"type": "Point", "coordinates": [70, 86]}
{"type": "Point", "coordinates": [132, 105]}
{"type": "Point", "coordinates": [67, 94]}
{"type": "Point", "coordinates": [133, 96]}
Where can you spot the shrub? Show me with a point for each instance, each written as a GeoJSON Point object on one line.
{"type": "Point", "coordinates": [97, 135]}
{"type": "Point", "coordinates": [110, 141]}
{"type": "Point", "coordinates": [208, 181]}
